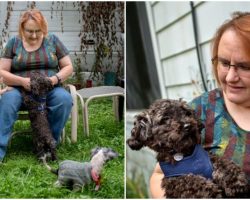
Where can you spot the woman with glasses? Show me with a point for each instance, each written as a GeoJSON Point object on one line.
{"type": "Point", "coordinates": [225, 111]}
{"type": "Point", "coordinates": [34, 49]}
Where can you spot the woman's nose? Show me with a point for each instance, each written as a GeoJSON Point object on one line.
{"type": "Point", "coordinates": [33, 35]}
{"type": "Point", "coordinates": [232, 74]}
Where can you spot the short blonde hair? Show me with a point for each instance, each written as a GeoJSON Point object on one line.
{"type": "Point", "coordinates": [35, 15]}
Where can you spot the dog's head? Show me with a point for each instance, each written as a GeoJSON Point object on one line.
{"type": "Point", "coordinates": [167, 127]}
{"type": "Point", "coordinates": [107, 153]}
{"type": "Point", "coordinates": [40, 84]}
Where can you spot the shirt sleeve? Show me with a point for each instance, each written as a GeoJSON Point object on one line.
{"type": "Point", "coordinates": [61, 49]}
{"type": "Point", "coordinates": [8, 49]}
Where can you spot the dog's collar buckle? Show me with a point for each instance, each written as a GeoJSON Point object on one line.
{"type": "Point", "coordinates": [178, 156]}
{"type": "Point", "coordinates": [41, 107]}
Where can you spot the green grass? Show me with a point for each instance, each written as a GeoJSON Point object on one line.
{"type": "Point", "coordinates": [136, 187]}
{"type": "Point", "coordinates": [22, 176]}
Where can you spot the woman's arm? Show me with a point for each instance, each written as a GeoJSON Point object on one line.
{"type": "Point", "coordinates": [155, 183]}
{"type": "Point", "coordinates": [11, 79]}
{"type": "Point", "coordinates": [66, 70]}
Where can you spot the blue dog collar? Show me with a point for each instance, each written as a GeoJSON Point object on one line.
{"type": "Point", "coordinates": [41, 107]}
{"type": "Point", "coordinates": [41, 100]}
{"type": "Point", "coordinates": [198, 164]}
{"type": "Point", "coordinates": [38, 99]}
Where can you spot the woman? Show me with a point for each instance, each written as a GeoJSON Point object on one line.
{"type": "Point", "coordinates": [34, 49]}
{"type": "Point", "coordinates": [225, 111]}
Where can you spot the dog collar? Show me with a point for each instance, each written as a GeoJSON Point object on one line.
{"type": "Point", "coordinates": [96, 178]}
{"type": "Point", "coordinates": [38, 99]}
{"type": "Point", "coordinates": [198, 164]}
{"type": "Point", "coordinates": [41, 100]}
{"type": "Point", "coordinates": [41, 107]}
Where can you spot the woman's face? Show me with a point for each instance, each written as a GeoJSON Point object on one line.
{"type": "Point", "coordinates": [235, 81]}
{"type": "Point", "coordinates": [32, 32]}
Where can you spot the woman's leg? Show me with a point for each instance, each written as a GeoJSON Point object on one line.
{"type": "Point", "coordinates": [59, 102]}
{"type": "Point", "coordinates": [10, 104]}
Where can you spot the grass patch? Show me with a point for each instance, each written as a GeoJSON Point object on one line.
{"type": "Point", "coordinates": [22, 176]}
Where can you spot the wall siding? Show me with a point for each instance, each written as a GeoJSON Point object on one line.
{"type": "Point", "coordinates": [71, 27]}
{"type": "Point", "coordinates": [174, 38]}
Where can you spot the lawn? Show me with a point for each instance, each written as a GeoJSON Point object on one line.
{"type": "Point", "coordinates": [23, 176]}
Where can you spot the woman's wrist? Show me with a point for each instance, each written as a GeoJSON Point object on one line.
{"type": "Point", "coordinates": [59, 80]}
{"type": "Point", "coordinates": [25, 83]}
{"type": "Point", "coordinates": [54, 80]}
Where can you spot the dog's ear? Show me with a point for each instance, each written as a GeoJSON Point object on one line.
{"type": "Point", "coordinates": [94, 151]}
{"type": "Point", "coordinates": [49, 85]}
{"type": "Point", "coordinates": [35, 86]}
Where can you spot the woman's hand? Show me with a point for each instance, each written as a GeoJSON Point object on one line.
{"type": "Point", "coordinates": [53, 80]}
{"type": "Point", "coordinates": [26, 83]}
{"type": "Point", "coordinates": [5, 90]}
{"type": "Point", "coordinates": [155, 183]}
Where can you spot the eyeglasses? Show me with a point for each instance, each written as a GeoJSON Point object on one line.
{"type": "Point", "coordinates": [31, 32]}
{"type": "Point", "coordinates": [242, 68]}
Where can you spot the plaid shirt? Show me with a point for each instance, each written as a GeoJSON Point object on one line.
{"type": "Point", "coordinates": [45, 59]}
{"type": "Point", "coordinates": [221, 133]}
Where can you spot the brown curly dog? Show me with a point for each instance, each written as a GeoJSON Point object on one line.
{"type": "Point", "coordinates": [35, 102]}
{"type": "Point", "coordinates": [172, 130]}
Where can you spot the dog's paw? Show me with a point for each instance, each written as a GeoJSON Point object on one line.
{"type": "Point", "coordinates": [229, 176]}
{"type": "Point", "coordinates": [77, 187]}
{"type": "Point", "coordinates": [57, 184]}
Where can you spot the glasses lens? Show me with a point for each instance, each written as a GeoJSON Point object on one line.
{"type": "Point", "coordinates": [243, 69]}
{"type": "Point", "coordinates": [33, 31]}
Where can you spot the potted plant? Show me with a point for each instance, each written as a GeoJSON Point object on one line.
{"type": "Point", "coordinates": [103, 66]}
{"type": "Point", "coordinates": [77, 78]}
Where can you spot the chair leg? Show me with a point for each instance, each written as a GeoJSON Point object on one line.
{"type": "Point", "coordinates": [13, 134]}
{"type": "Point", "coordinates": [74, 120]}
{"type": "Point", "coordinates": [116, 107]}
{"type": "Point", "coordinates": [63, 136]}
{"type": "Point", "coordinates": [74, 112]}
{"type": "Point", "coordinates": [86, 119]}
{"type": "Point", "coordinates": [82, 108]}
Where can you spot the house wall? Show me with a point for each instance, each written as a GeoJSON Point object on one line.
{"type": "Point", "coordinates": [67, 27]}
{"type": "Point", "coordinates": [172, 28]}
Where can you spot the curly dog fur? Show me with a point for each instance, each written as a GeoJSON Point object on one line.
{"type": "Point", "coordinates": [169, 127]}
{"type": "Point", "coordinates": [35, 102]}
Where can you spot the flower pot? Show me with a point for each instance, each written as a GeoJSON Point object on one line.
{"type": "Point", "coordinates": [88, 83]}
{"type": "Point", "coordinates": [109, 78]}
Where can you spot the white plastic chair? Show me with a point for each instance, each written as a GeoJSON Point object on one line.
{"type": "Point", "coordinates": [98, 92]}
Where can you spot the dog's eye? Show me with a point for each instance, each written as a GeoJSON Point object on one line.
{"type": "Point", "coordinates": [142, 124]}
{"type": "Point", "coordinates": [186, 126]}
